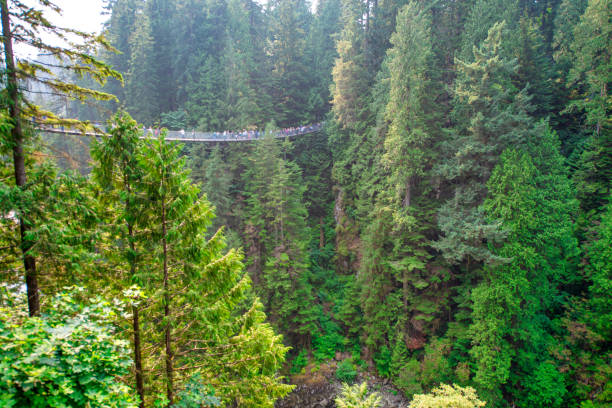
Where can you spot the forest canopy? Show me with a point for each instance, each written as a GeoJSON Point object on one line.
{"type": "Point", "coordinates": [443, 227]}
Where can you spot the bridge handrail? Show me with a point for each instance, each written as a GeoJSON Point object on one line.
{"type": "Point", "coordinates": [193, 136]}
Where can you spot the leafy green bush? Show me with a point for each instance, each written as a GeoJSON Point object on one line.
{"type": "Point", "coordinates": [383, 361]}
{"type": "Point", "coordinates": [68, 357]}
{"type": "Point", "coordinates": [197, 395]}
{"type": "Point", "coordinates": [448, 396]}
{"type": "Point", "coordinates": [356, 396]}
{"type": "Point", "coordinates": [299, 362]}
{"type": "Point", "coordinates": [326, 344]}
{"type": "Point", "coordinates": [346, 371]}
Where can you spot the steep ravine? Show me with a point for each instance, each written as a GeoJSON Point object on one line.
{"type": "Point", "coordinates": [318, 388]}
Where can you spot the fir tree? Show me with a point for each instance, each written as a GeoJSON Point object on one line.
{"type": "Point", "coordinates": [197, 290]}
{"type": "Point", "coordinates": [20, 25]}
{"type": "Point", "coordinates": [491, 115]}
{"type": "Point", "coordinates": [512, 306]}
{"type": "Point", "coordinates": [590, 74]}
{"type": "Point", "coordinates": [349, 74]}
{"type": "Point", "coordinates": [142, 81]}
{"type": "Point", "coordinates": [117, 173]}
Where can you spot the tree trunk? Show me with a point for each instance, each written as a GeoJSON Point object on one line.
{"type": "Point", "coordinates": [169, 369]}
{"type": "Point", "coordinates": [19, 160]}
{"type": "Point", "coordinates": [138, 357]}
{"type": "Point", "coordinates": [408, 195]}
{"type": "Point", "coordinates": [321, 233]}
{"type": "Point", "coordinates": [136, 321]}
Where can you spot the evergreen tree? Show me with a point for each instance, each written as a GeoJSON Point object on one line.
{"type": "Point", "coordinates": [349, 73]}
{"type": "Point", "coordinates": [117, 173]}
{"type": "Point", "coordinates": [119, 30]}
{"type": "Point", "coordinates": [197, 290]}
{"type": "Point", "coordinates": [142, 93]}
{"type": "Point", "coordinates": [491, 115]}
{"type": "Point", "coordinates": [405, 214]}
{"type": "Point", "coordinates": [599, 269]}
{"type": "Point", "coordinates": [570, 128]}
{"type": "Point", "coordinates": [276, 230]}
{"type": "Point", "coordinates": [591, 75]}
{"type": "Point", "coordinates": [483, 15]}
{"type": "Point", "coordinates": [242, 101]}
{"type": "Point", "coordinates": [290, 24]}
{"type": "Point", "coordinates": [20, 26]}
{"type": "Point", "coordinates": [216, 184]}
{"type": "Point", "coordinates": [325, 26]}
{"type": "Point", "coordinates": [513, 305]}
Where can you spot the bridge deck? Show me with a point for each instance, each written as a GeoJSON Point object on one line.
{"type": "Point", "coordinates": [204, 137]}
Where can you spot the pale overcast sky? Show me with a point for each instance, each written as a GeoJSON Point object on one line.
{"type": "Point", "coordinates": [83, 15]}
{"type": "Point", "coordinates": [86, 15]}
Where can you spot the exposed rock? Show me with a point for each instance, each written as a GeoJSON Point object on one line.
{"type": "Point", "coordinates": [318, 388]}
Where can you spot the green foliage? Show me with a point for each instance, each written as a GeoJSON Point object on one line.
{"type": "Point", "coordinates": [243, 352]}
{"type": "Point", "coordinates": [299, 362]}
{"type": "Point", "coordinates": [511, 301]}
{"type": "Point", "coordinates": [600, 274]}
{"type": "Point", "coordinates": [491, 115]}
{"type": "Point", "coordinates": [174, 120]}
{"type": "Point", "coordinates": [448, 396]}
{"type": "Point", "coordinates": [546, 387]}
{"type": "Point", "coordinates": [70, 356]}
{"type": "Point", "coordinates": [432, 226]}
{"type": "Point", "coordinates": [407, 377]}
{"type": "Point", "coordinates": [356, 396]}
{"type": "Point", "coordinates": [196, 395]}
{"type": "Point", "coordinates": [346, 371]}
{"type": "Point", "coordinates": [383, 361]}
{"type": "Point", "coordinates": [329, 340]}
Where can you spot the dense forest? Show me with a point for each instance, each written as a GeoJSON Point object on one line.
{"type": "Point", "coordinates": [451, 223]}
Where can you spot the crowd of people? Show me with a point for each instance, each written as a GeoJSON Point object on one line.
{"type": "Point", "coordinates": [235, 135]}
{"type": "Point", "coordinates": [225, 135]}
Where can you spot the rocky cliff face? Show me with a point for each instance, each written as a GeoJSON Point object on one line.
{"type": "Point", "coordinates": [318, 388]}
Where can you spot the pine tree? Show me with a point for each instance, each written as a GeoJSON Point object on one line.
{"type": "Point", "coordinates": [590, 74]}
{"type": "Point", "coordinates": [491, 115]}
{"type": "Point", "coordinates": [483, 15]}
{"type": "Point", "coordinates": [117, 173]}
{"type": "Point", "coordinates": [216, 184]}
{"type": "Point", "coordinates": [570, 128]}
{"type": "Point", "coordinates": [142, 91]}
{"type": "Point", "coordinates": [325, 26]}
{"type": "Point", "coordinates": [290, 24]}
{"type": "Point", "coordinates": [407, 209]}
{"type": "Point", "coordinates": [512, 306]}
{"type": "Point", "coordinates": [277, 230]}
{"type": "Point", "coordinates": [349, 75]}
{"type": "Point", "coordinates": [599, 255]}
{"type": "Point", "coordinates": [119, 29]}
{"type": "Point", "coordinates": [21, 26]}
{"type": "Point", "coordinates": [197, 292]}
{"type": "Point", "coordinates": [243, 110]}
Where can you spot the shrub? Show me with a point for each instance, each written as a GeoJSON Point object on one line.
{"type": "Point", "coordinates": [197, 395]}
{"type": "Point", "coordinates": [448, 396]}
{"type": "Point", "coordinates": [383, 361]}
{"type": "Point", "coordinates": [356, 396]}
{"type": "Point", "coordinates": [346, 371]}
{"type": "Point", "coordinates": [329, 342]}
{"type": "Point", "coordinates": [299, 362]}
{"type": "Point", "coordinates": [68, 357]}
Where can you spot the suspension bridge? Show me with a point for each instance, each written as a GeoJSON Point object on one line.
{"type": "Point", "coordinates": [193, 136]}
